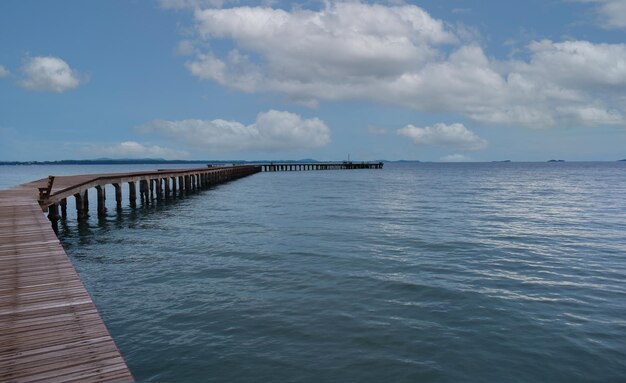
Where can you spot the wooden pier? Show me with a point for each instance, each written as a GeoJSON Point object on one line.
{"type": "Point", "coordinates": [297, 166]}
{"type": "Point", "coordinates": [50, 329]}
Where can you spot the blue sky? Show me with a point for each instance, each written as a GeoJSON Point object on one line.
{"type": "Point", "coordinates": [217, 79]}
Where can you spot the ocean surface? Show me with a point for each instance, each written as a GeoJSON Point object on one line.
{"type": "Point", "coordinates": [427, 272]}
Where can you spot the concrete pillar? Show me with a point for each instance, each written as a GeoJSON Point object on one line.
{"type": "Point", "coordinates": [146, 191]}
{"type": "Point", "coordinates": [132, 194]}
{"type": "Point", "coordinates": [143, 191]}
{"type": "Point", "coordinates": [118, 195]}
{"type": "Point", "coordinates": [86, 201]}
{"type": "Point", "coordinates": [151, 187]}
{"type": "Point", "coordinates": [80, 205]}
{"type": "Point", "coordinates": [159, 194]}
{"type": "Point", "coordinates": [173, 185]}
{"type": "Point", "coordinates": [167, 186]}
{"type": "Point", "coordinates": [53, 213]}
{"type": "Point", "coordinates": [63, 205]}
{"type": "Point", "coordinates": [101, 191]}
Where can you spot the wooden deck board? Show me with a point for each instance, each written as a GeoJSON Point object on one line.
{"type": "Point", "coordinates": [50, 329]}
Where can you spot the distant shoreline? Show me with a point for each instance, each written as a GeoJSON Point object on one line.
{"type": "Point", "coordinates": [169, 162]}
{"type": "Point", "coordinates": [159, 161]}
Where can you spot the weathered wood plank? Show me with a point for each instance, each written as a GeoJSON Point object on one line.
{"type": "Point", "coordinates": [50, 330]}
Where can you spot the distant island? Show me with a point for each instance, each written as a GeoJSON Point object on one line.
{"type": "Point", "coordinates": [556, 160]}
{"type": "Point", "coordinates": [106, 161]}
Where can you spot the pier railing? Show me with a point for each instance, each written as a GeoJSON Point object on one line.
{"type": "Point", "coordinates": [145, 185]}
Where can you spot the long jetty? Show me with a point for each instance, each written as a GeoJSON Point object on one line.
{"type": "Point", "coordinates": [50, 329]}
{"type": "Point", "coordinates": [302, 166]}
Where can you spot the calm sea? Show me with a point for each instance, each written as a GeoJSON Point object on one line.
{"type": "Point", "coordinates": [480, 272]}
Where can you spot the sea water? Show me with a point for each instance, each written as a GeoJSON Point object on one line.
{"type": "Point", "coordinates": [418, 272]}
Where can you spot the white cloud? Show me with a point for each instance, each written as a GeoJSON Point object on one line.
{"type": "Point", "coordinates": [50, 74]}
{"type": "Point", "coordinates": [455, 158]}
{"type": "Point", "coordinates": [400, 55]}
{"type": "Point", "coordinates": [455, 135]}
{"type": "Point", "coordinates": [190, 4]}
{"type": "Point", "coordinates": [612, 12]}
{"type": "Point", "coordinates": [273, 130]}
{"type": "Point", "coordinates": [306, 52]}
{"type": "Point", "coordinates": [132, 149]}
{"type": "Point", "coordinates": [3, 71]}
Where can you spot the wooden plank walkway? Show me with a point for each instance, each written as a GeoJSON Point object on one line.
{"type": "Point", "coordinates": [50, 329]}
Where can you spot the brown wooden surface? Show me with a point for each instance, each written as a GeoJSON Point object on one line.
{"type": "Point", "coordinates": [50, 329]}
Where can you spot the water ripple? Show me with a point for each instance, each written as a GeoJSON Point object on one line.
{"type": "Point", "coordinates": [421, 272]}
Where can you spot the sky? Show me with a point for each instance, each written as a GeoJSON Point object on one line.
{"type": "Point", "coordinates": [433, 80]}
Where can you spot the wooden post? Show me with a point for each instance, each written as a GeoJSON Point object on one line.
{"type": "Point", "coordinates": [101, 200]}
{"type": "Point", "coordinates": [174, 186]}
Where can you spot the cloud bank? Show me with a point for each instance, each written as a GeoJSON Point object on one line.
{"type": "Point", "coordinates": [3, 71]}
{"type": "Point", "coordinates": [133, 149]}
{"type": "Point", "coordinates": [272, 131]}
{"type": "Point", "coordinates": [50, 74]}
{"type": "Point", "coordinates": [454, 136]}
{"type": "Point", "coordinates": [400, 55]}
